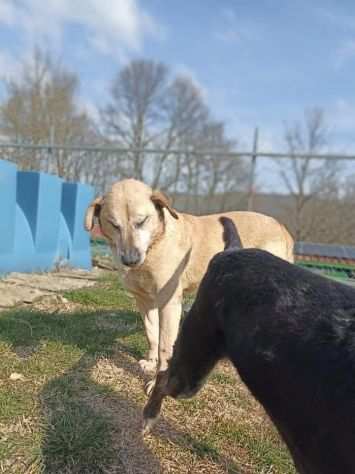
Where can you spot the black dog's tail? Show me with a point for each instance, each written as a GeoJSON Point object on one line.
{"type": "Point", "coordinates": [230, 234]}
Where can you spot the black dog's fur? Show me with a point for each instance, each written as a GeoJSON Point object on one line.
{"type": "Point", "coordinates": [291, 336]}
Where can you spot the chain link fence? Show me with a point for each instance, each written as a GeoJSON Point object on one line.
{"type": "Point", "coordinates": [314, 195]}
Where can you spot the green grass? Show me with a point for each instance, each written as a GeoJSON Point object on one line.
{"type": "Point", "coordinates": [54, 353]}
{"type": "Point", "coordinates": [222, 379]}
{"type": "Point", "coordinates": [76, 438]}
{"type": "Point", "coordinates": [331, 270]}
{"type": "Point", "coordinates": [263, 446]}
{"type": "Point", "coordinates": [58, 419]}
{"type": "Point", "coordinates": [109, 294]}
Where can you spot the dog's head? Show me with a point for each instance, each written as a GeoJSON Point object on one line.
{"type": "Point", "coordinates": [131, 217]}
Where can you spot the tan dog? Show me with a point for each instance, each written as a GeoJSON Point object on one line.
{"type": "Point", "coordinates": [164, 253]}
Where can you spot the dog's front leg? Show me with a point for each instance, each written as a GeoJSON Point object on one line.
{"type": "Point", "coordinates": [151, 326]}
{"type": "Point", "coordinates": [169, 321]}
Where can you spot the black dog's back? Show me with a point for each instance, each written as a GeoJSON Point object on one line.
{"type": "Point", "coordinates": [291, 335]}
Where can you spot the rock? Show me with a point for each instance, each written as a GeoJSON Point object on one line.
{"type": "Point", "coordinates": [11, 295]}
{"type": "Point", "coordinates": [16, 376]}
{"type": "Point", "coordinates": [19, 288]}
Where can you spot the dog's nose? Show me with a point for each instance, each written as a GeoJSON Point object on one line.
{"type": "Point", "coordinates": [130, 257]}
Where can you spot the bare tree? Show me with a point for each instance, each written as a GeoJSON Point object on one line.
{"type": "Point", "coordinates": [149, 109]}
{"type": "Point", "coordinates": [332, 213]}
{"type": "Point", "coordinates": [210, 176]}
{"type": "Point", "coordinates": [41, 107]}
{"type": "Point", "coordinates": [348, 214]}
{"type": "Point", "coordinates": [306, 178]}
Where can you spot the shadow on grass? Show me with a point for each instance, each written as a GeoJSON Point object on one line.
{"type": "Point", "coordinates": [87, 427]}
{"type": "Point", "coordinates": [91, 428]}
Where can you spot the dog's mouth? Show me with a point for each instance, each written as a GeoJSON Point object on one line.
{"type": "Point", "coordinates": [188, 392]}
{"type": "Point", "coordinates": [135, 264]}
{"type": "Point", "coordinates": [181, 387]}
{"type": "Point", "coordinates": [131, 258]}
{"type": "Point", "coordinates": [132, 265]}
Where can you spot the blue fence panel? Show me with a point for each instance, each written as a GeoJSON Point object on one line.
{"type": "Point", "coordinates": [24, 255]}
{"type": "Point", "coordinates": [64, 248]}
{"type": "Point", "coordinates": [75, 200]}
{"type": "Point", "coordinates": [39, 197]}
{"type": "Point", "coordinates": [42, 221]}
{"type": "Point", "coordinates": [8, 213]}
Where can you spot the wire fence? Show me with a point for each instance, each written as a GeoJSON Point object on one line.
{"type": "Point", "coordinates": [313, 194]}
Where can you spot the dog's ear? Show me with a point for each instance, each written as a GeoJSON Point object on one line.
{"type": "Point", "coordinates": [160, 200]}
{"type": "Point", "coordinates": [93, 211]}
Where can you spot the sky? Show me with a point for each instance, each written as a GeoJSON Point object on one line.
{"type": "Point", "coordinates": [259, 63]}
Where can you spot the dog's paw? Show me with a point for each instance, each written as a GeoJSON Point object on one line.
{"type": "Point", "coordinates": [148, 387]}
{"type": "Point", "coordinates": [148, 366]}
{"type": "Point", "coordinates": [148, 424]}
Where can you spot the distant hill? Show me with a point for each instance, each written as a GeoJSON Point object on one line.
{"type": "Point", "coordinates": [328, 222]}
{"type": "Point", "coordinates": [275, 205]}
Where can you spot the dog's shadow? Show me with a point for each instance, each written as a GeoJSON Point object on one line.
{"type": "Point", "coordinates": [103, 426]}
{"type": "Point", "coordinates": [91, 427]}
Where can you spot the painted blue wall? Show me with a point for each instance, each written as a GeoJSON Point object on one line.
{"type": "Point", "coordinates": [42, 221]}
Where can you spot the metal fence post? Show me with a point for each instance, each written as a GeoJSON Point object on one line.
{"type": "Point", "coordinates": [251, 189]}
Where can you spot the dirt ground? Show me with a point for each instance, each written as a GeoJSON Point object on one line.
{"type": "Point", "coordinates": [27, 288]}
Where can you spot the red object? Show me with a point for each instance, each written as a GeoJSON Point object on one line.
{"type": "Point", "coordinates": [96, 232]}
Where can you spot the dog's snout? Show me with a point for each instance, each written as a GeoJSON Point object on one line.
{"type": "Point", "coordinates": [130, 257]}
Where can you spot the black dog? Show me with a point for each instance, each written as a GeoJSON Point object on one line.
{"type": "Point", "coordinates": [291, 336]}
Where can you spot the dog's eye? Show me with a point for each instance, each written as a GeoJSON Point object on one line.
{"type": "Point", "coordinates": [115, 225]}
{"type": "Point", "coordinates": [141, 223]}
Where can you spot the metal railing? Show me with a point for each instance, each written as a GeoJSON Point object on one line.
{"type": "Point", "coordinates": [199, 181]}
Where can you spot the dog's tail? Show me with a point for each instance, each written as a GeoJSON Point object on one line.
{"type": "Point", "coordinates": [230, 234]}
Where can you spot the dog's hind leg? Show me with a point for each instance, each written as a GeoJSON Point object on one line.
{"type": "Point", "coordinates": [151, 326]}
